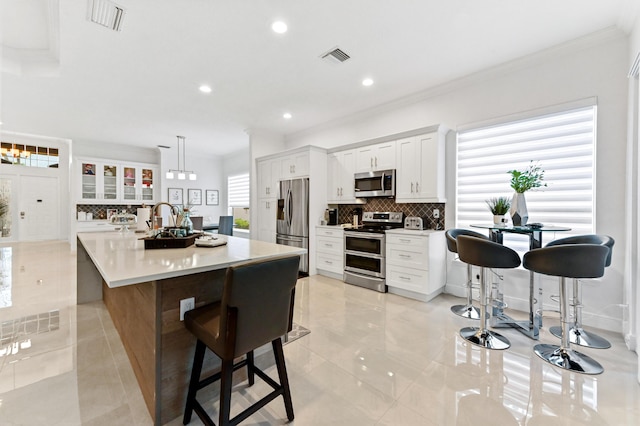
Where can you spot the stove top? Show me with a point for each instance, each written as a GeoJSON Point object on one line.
{"type": "Point", "coordinates": [378, 222]}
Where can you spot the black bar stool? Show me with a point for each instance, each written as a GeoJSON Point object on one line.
{"type": "Point", "coordinates": [567, 261]}
{"type": "Point", "coordinates": [254, 310]}
{"type": "Point", "coordinates": [577, 334]}
{"type": "Point", "coordinates": [486, 254]}
{"type": "Point", "coordinates": [467, 310]}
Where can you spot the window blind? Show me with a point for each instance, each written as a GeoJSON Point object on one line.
{"type": "Point", "coordinates": [238, 190]}
{"type": "Point", "coordinates": [562, 143]}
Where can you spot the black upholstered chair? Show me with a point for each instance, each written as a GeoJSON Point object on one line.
{"type": "Point", "coordinates": [485, 254]}
{"type": "Point", "coordinates": [567, 261]}
{"type": "Point", "coordinates": [255, 310]}
{"type": "Point", "coordinates": [467, 310]}
{"type": "Point", "coordinates": [577, 334]}
{"type": "Point", "coordinates": [225, 225]}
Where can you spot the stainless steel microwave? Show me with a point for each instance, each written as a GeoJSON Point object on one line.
{"type": "Point", "coordinates": [381, 183]}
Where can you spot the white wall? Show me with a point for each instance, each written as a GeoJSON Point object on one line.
{"type": "Point", "coordinates": [114, 151]}
{"type": "Point", "coordinates": [594, 66]}
{"type": "Point", "coordinates": [632, 272]}
{"type": "Point", "coordinates": [209, 171]}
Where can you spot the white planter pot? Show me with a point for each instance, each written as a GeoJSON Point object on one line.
{"type": "Point", "coordinates": [519, 212]}
{"type": "Point", "coordinates": [499, 219]}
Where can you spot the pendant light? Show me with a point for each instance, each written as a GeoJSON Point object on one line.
{"type": "Point", "coordinates": [181, 172]}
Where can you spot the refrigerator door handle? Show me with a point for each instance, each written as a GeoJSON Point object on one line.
{"type": "Point", "coordinates": [290, 207]}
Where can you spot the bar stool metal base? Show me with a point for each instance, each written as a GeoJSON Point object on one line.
{"type": "Point", "coordinates": [466, 311]}
{"type": "Point", "coordinates": [485, 338]}
{"type": "Point", "coordinates": [580, 336]}
{"type": "Point", "coordinates": [568, 359]}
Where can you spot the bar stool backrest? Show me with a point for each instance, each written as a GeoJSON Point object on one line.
{"type": "Point", "coordinates": [486, 253]}
{"type": "Point", "coordinates": [257, 296]}
{"type": "Point", "coordinates": [603, 240]}
{"type": "Point", "coordinates": [568, 260]}
{"type": "Point", "coordinates": [452, 235]}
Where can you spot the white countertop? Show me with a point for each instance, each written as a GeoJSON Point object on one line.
{"type": "Point", "coordinates": [122, 259]}
{"type": "Point", "coordinates": [411, 231]}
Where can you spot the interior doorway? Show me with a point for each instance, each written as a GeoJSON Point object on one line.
{"type": "Point", "coordinates": [38, 208]}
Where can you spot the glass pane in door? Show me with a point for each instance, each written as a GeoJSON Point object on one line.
{"type": "Point", "coordinates": [5, 208]}
{"type": "Point", "coordinates": [110, 185]}
{"type": "Point", "coordinates": [89, 189]}
{"type": "Point", "coordinates": [129, 182]}
{"type": "Point", "coordinates": [147, 184]}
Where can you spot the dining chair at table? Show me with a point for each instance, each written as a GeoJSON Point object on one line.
{"type": "Point", "coordinates": [225, 225]}
{"type": "Point", "coordinates": [255, 310]}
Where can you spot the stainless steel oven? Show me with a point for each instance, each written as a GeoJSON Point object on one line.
{"type": "Point", "coordinates": [364, 254]}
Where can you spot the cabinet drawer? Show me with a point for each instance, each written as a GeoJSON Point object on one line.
{"type": "Point", "coordinates": [408, 240]}
{"type": "Point", "coordinates": [326, 232]}
{"type": "Point", "coordinates": [330, 245]}
{"type": "Point", "coordinates": [330, 262]}
{"type": "Point", "coordinates": [407, 255]}
{"type": "Point", "coordinates": [408, 279]}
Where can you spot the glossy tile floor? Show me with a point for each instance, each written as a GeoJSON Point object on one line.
{"type": "Point", "coordinates": [370, 359]}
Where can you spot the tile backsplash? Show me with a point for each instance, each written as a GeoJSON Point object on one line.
{"type": "Point", "coordinates": [99, 211]}
{"type": "Point", "coordinates": [423, 210]}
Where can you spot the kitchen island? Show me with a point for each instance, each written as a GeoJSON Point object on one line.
{"type": "Point", "coordinates": [142, 290]}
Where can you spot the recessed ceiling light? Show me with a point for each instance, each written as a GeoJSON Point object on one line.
{"type": "Point", "coordinates": [279, 27]}
{"type": "Point", "coordinates": [205, 89]}
{"type": "Point", "coordinates": [287, 115]}
{"type": "Point", "coordinates": [367, 82]}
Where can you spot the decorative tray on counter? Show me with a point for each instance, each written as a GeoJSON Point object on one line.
{"type": "Point", "coordinates": [161, 242]}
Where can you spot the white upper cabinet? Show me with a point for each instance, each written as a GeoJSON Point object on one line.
{"type": "Point", "coordinates": [268, 177]}
{"type": "Point", "coordinates": [420, 172]}
{"type": "Point", "coordinates": [109, 182]}
{"type": "Point", "coordinates": [380, 156]}
{"type": "Point", "coordinates": [340, 182]}
{"type": "Point", "coordinates": [295, 165]}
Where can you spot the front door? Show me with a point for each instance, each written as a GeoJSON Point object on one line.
{"type": "Point", "coordinates": [38, 208]}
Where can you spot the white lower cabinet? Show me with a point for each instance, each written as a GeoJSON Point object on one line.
{"type": "Point", "coordinates": [329, 250]}
{"type": "Point", "coordinates": [415, 263]}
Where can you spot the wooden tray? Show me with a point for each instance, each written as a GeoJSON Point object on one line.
{"type": "Point", "coordinates": [164, 242]}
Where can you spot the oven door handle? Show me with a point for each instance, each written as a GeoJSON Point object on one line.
{"type": "Point", "coordinates": [364, 254]}
{"type": "Point", "coordinates": [363, 235]}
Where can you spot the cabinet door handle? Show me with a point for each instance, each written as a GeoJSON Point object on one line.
{"type": "Point", "coordinates": [412, 187]}
{"type": "Point", "coordinates": [405, 256]}
{"type": "Point", "coordinates": [376, 161]}
{"type": "Point", "coordinates": [404, 240]}
{"type": "Point", "coordinates": [341, 192]}
{"type": "Point", "coordinates": [328, 245]}
{"type": "Point", "coordinates": [417, 190]}
{"type": "Point", "coordinates": [328, 262]}
{"type": "Point", "coordinates": [371, 161]}
{"type": "Point", "coordinates": [404, 278]}
{"type": "Point", "coordinates": [337, 192]}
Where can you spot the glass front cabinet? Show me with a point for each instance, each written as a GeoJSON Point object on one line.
{"type": "Point", "coordinates": [109, 182]}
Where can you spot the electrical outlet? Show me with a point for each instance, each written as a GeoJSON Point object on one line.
{"type": "Point", "coordinates": [436, 213]}
{"type": "Point", "coordinates": [186, 305]}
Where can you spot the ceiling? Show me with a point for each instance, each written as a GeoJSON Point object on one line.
{"type": "Point", "coordinates": [64, 76]}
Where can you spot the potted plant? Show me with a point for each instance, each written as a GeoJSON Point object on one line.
{"type": "Point", "coordinates": [522, 181]}
{"type": "Point", "coordinates": [499, 206]}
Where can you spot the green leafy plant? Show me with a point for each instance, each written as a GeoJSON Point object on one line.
{"type": "Point", "coordinates": [241, 223]}
{"type": "Point", "coordinates": [530, 178]}
{"type": "Point", "coordinates": [498, 205]}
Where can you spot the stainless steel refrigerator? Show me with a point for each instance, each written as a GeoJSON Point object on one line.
{"type": "Point", "coordinates": [292, 221]}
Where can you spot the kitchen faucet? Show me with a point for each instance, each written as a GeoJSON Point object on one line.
{"type": "Point", "coordinates": [153, 211]}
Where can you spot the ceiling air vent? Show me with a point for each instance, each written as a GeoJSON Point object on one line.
{"type": "Point", "coordinates": [105, 13]}
{"type": "Point", "coordinates": [335, 55]}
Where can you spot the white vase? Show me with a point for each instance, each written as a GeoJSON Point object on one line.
{"type": "Point", "coordinates": [519, 212]}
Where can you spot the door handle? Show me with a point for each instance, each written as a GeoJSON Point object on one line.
{"type": "Point", "coordinates": [412, 187]}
